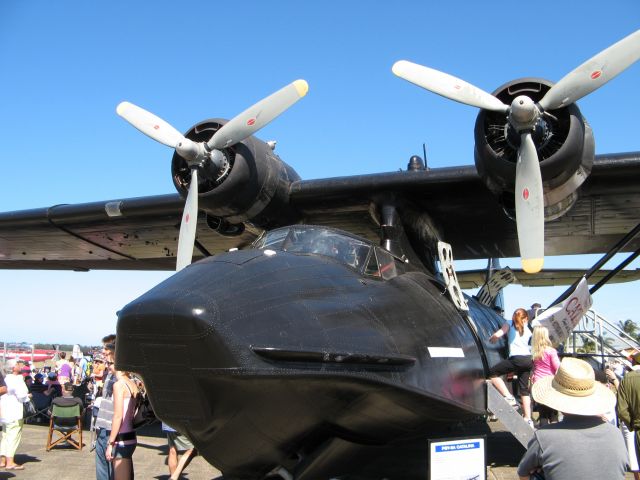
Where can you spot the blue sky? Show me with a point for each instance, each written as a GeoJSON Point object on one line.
{"type": "Point", "coordinates": [66, 65]}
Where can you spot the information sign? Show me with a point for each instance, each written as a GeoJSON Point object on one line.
{"type": "Point", "coordinates": [458, 459]}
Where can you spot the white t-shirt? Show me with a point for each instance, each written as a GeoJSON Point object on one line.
{"type": "Point", "coordinates": [11, 403]}
{"type": "Point", "coordinates": [518, 344]}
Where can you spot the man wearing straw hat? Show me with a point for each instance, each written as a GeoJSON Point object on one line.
{"type": "Point", "coordinates": [583, 445]}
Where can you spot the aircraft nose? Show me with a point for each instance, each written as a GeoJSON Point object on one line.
{"type": "Point", "coordinates": [199, 330]}
{"type": "Point", "coordinates": [167, 336]}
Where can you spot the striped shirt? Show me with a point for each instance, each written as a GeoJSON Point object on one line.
{"type": "Point", "coordinates": [105, 412]}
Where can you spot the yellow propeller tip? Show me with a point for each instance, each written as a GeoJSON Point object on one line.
{"type": "Point", "coordinates": [121, 106]}
{"type": "Point", "coordinates": [302, 87]}
{"type": "Point", "coordinates": [532, 265]}
{"type": "Point", "coordinates": [397, 67]}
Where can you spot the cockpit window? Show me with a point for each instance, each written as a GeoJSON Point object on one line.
{"type": "Point", "coordinates": [387, 264]}
{"type": "Point", "coordinates": [372, 268]}
{"type": "Point", "coordinates": [382, 264]}
{"type": "Point", "coordinates": [316, 240]}
{"type": "Point", "coordinates": [367, 259]}
{"type": "Point", "coordinates": [273, 239]}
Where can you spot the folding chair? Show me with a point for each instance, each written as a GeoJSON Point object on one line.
{"type": "Point", "coordinates": [42, 403]}
{"type": "Point", "coordinates": [66, 421]}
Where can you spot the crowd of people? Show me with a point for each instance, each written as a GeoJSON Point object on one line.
{"type": "Point", "coordinates": [116, 438]}
{"type": "Point", "coordinates": [599, 410]}
{"type": "Point", "coordinates": [91, 382]}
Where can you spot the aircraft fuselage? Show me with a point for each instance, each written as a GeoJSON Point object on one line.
{"type": "Point", "coordinates": [267, 358]}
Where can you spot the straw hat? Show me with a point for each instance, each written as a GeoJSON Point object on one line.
{"type": "Point", "coordinates": [574, 390]}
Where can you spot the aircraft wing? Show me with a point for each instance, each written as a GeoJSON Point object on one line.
{"type": "Point", "coordinates": [141, 233]}
{"type": "Point", "coordinates": [551, 277]}
{"type": "Point", "coordinates": [129, 234]}
{"type": "Point", "coordinates": [456, 203]}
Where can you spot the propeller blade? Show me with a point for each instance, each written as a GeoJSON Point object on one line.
{"type": "Point", "coordinates": [594, 73]}
{"type": "Point", "coordinates": [149, 124]}
{"type": "Point", "coordinates": [447, 85]}
{"type": "Point", "coordinates": [258, 115]}
{"type": "Point", "coordinates": [187, 237]}
{"type": "Point", "coordinates": [529, 206]}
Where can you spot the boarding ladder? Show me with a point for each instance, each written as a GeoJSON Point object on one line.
{"type": "Point", "coordinates": [508, 415]}
{"type": "Point", "coordinates": [593, 327]}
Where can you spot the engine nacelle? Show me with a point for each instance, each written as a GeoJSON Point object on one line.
{"type": "Point", "coordinates": [252, 184]}
{"type": "Point", "coordinates": [563, 139]}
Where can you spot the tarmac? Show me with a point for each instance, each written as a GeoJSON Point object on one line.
{"type": "Point", "coordinates": [67, 463]}
{"type": "Point", "coordinates": [64, 463]}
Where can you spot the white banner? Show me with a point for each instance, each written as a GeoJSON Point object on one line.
{"type": "Point", "coordinates": [561, 319]}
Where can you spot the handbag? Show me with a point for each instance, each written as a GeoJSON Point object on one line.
{"type": "Point", "coordinates": [29, 409]}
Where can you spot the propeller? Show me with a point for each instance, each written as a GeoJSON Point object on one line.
{"type": "Point", "coordinates": [448, 86]}
{"type": "Point", "coordinates": [594, 73]}
{"type": "Point", "coordinates": [523, 114]}
{"type": "Point", "coordinates": [188, 225]}
{"type": "Point", "coordinates": [196, 153]}
{"type": "Point", "coordinates": [156, 128]}
{"type": "Point", "coordinates": [529, 206]}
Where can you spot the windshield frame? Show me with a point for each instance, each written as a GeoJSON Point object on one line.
{"type": "Point", "coordinates": [350, 253]}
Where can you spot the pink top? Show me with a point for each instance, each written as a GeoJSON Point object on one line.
{"type": "Point", "coordinates": [127, 418]}
{"type": "Point", "coordinates": [128, 408]}
{"type": "Point", "coordinates": [546, 365]}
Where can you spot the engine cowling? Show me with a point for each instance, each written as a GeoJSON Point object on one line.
{"type": "Point", "coordinates": [563, 139]}
{"type": "Point", "coordinates": [251, 185]}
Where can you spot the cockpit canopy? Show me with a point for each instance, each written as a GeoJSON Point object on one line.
{"type": "Point", "coordinates": [356, 253]}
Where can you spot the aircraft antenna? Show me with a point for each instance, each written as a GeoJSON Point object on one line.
{"type": "Point", "coordinates": [424, 155]}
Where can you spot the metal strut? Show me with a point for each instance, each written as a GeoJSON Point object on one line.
{"type": "Point", "coordinates": [600, 263]}
{"type": "Point", "coordinates": [613, 272]}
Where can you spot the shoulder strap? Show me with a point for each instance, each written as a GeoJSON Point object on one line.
{"type": "Point", "coordinates": [126, 384]}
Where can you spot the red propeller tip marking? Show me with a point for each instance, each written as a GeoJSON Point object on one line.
{"type": "Point", "coordinates": [596, 74]}
{"type": "Point", "coordinates": [251, 121]}
{"type": "Point", "coordinates": [525, 194]}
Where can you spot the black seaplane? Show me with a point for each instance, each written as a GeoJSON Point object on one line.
{"type": "Point", "coordinates": [323, 326]}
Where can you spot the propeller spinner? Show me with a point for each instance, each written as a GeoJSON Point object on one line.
{"type": "Point", "coordinates": [196, 153]}
{"type": "Point", "coordinates": [523, 115]}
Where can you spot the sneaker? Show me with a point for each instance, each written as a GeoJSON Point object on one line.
{"type": "Point", "coordinates": [511, 401]}
{"type": "Point", "coordinates": [530, 423]}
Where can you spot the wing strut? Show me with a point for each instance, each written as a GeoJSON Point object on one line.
{"type": "Point", "coordinates": [600, 263]}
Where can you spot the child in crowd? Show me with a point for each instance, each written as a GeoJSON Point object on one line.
{"type": "Point", "coordinates": [545, 362]}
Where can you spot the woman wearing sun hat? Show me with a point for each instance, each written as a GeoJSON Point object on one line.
{"type": "Point", "coordinates": [583, 445]}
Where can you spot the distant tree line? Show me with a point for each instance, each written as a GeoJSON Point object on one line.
{"type": "Point", "coordinates": [630, 328]}
{"type": "Point", "coordinates": [62, 347]}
